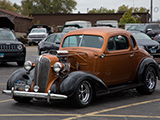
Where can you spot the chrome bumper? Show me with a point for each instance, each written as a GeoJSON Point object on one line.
{"type": "Point", "coordinates": [47, 96]}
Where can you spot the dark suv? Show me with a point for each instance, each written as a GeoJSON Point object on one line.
{"type": "Point", "coordinates": [11, 50]}
{"type": "Point", "coordinates": [150, 29]}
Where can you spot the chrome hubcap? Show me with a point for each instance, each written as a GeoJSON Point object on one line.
{"type": "Point", "coordinates": [150, 79]}
{"type": "Point", "coordinates": [84, 92]}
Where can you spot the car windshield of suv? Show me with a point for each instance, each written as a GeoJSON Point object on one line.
{"type": "Point", "coordinates": [141, 36]}
{"type": "Point", "coordinates": [137, 27]}
{"type": "Point", "coordinates": [83, 41]}
{"type": "Point", "coordinates": [38, 31]}
{"type": "Point", "coordinates": [6, 35]}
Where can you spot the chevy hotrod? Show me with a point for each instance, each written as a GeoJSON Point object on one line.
{"type": "Point", "coordinates": [90, 62]}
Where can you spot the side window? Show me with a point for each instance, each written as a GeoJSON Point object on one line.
{"type": "Point", "coordinates": [70, 41]}
{"type": "Point", "coordinates": [57, 39]}
{"type": "Point", "coordinates": [50, 39]}
{"type": "Point", "coordinates": [149, 27]}
{"type": "Point", "coordinates": [117, 43]}
{"type": "Point", "coordinates": [132, 42]}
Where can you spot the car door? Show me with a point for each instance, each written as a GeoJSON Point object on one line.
{"type": "Point", "coordinates": [118, 60]}
{"type": "Point", "coordinates": [49, 42]}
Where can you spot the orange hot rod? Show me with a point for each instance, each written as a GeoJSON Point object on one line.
{"type": "Point", "coordinates": [90, 62]}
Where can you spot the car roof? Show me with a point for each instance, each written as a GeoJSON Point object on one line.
{"type": "Point", "coordinates": [97, 31]}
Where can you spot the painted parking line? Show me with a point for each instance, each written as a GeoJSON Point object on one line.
{"type": "Point", "coordinates": [2, 83]}
{"type": "Point", "coordinates": [36, 115]}
{"type": "Point", "coordinates": [92, 114]}
{"type": "Point", "coordinates": [77, 115]}
{"type": "Point", "coordinates": [112, 109]}
{"type": "Point", "coordinates": [6, 100]}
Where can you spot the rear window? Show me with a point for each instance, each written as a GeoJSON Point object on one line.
{"type": "Point", "coordinates": [83, 41]}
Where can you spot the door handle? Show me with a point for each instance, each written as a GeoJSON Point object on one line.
{"type": "Point", "coordinates": [131, 55]}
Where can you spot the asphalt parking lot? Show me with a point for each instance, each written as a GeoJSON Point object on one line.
{"type": "Point", "coordinates": [125, 105]}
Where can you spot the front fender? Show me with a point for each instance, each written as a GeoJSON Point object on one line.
{"type": "Point", "coordinates": [20, 74]}
{"type": "Point", "coordinates": [69, 84]}
{"type": "Point", "coordinates": [144, 64]}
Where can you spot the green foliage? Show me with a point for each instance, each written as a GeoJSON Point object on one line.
{"type": "Point", "coordinates": [47, 6]}
{"type": "Point", "coordinates": [122, 8]}
{"type": "Point", "coordinates": [7, 5]}
{"type": "Point", "coordinates": [101, 10]}
{"type": "Point", "coordinates": [129, 18]}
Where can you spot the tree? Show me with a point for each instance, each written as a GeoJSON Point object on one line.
{"type": "Point", "coordinates": [122, 8]}
{"type": "Point", "coordinates": [47, 6]}
{"type": "Point", "coordinates": [7, 5]}
{"type": "Point", "coordinates": [101, 10]}
{"type": "Point", "coordinates": [129, 18]}
{"type": "Point", "coordinates": [141, 9]}
{"type": "Point", "coordinates": [18, 8]}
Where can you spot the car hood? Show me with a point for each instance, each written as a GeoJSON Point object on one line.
{"type": "Point", "coordinates": [146, 42]}
{"type": "Point", "coordinates": [10, 42]}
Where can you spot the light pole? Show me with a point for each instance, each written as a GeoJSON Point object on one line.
{"type": "Point", "coordinates": [151, 9]}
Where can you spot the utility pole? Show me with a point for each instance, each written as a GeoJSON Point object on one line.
{"type": "Point", "coordinates": [151, 9]}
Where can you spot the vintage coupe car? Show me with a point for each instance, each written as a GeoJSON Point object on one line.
{"type": "Point", "coordinates": [90, 62]}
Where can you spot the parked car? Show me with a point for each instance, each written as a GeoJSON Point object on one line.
{"type": "Point", "coordinates": [157, 38]}
{"type": "Point", "coordinates": [151, 29]}
{"type": "Point", "coordinates": [90, 62]}
{"type": "Point", "coordinates": [145, 42]}
{"type": "Point", "coordinates": [52, 42]}
{"type": "Point", "coordinates": [11, 50]}
{"type": "Point", "coordinates": [36, 35]}
{"type": "Point", "coordinates": [72, 25]}
{"type": "Point", "coordinates": [67, 28]}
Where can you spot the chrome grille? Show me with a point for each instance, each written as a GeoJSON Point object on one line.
{"type": "Point", "coordinates": [8, 47]}
{"type": "Point", "coordinates": [42, 69]}
{"type": "Point", "coordinates": [152, 47]}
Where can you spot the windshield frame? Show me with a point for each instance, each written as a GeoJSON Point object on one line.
{"type": "Point", "coordinates": [91, 41]}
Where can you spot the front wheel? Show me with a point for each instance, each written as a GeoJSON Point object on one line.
{"type": "Point", "coordinates": [83, 94]}
{"type": "Point", "coordinates": [149, 79]}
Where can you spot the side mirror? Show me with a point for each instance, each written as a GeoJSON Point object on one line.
{"type": "Point", "coordinates": [149, 30]}
{"type": "Point", "coordinates": [58, 42]}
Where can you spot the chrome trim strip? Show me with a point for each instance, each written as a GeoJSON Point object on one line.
{"type": "Point", "coordinates": [48, 95]}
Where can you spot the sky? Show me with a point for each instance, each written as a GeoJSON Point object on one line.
{"type": "Point", "coordinates": [84, 5]}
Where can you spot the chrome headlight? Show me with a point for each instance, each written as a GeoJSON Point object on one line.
{"type": "Point", "coordinates": [28, 65]}
{"type": "Point", "coordinates": [57, 67]}
{"type": "Point", "coordinates": [19, 47]}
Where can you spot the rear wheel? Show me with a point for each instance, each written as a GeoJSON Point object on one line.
{"type": "Point", "coordinates": [149, 79]}
{"type": "Point", "coordinates": [83, 94]}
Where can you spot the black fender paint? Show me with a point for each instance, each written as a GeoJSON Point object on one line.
{"type": "Point", "coordinates": [70, 83]}
{"type": "Point", "coordinates": [20, 74]}
{"type": "Point", "coordinates": [143, 66]}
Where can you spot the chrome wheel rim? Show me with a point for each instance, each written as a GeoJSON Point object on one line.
{"type": "Point", "coordinates": [150, 80]}
{"type": "Point", "coordinates": [84, 92]}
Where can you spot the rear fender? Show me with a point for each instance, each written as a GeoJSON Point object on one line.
{"type": "Point", "coordinates": [70, 83]}
{"type": "Point", "coordinates": [20, 74]}
{"type": "Point", "coordinates": [144, 64]}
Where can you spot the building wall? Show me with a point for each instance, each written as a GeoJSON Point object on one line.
{"type": "Point", "coordinates": [60, 19]}
{"type": "Point", "coordinates": [22, 24]}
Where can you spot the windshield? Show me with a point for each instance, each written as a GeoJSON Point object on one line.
{"type": "Point", "coordinates": [38, 31]}
{"type": "Point", "coordinates": [141, 36]}
{"type": "Point", "coordinates": [6, 35]}
{"type": "Point", "coordinates": [83, 41]}
{"type": "Point", "coordinates": [137, 27]}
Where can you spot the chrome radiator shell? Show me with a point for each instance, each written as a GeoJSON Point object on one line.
{"type": "Point", "coordinates": [42, 69]}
